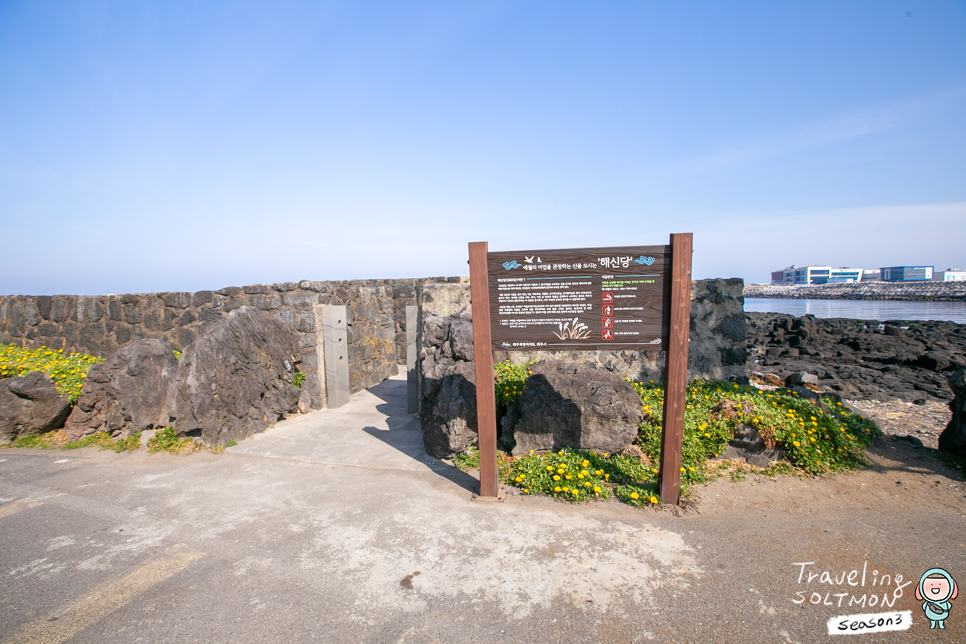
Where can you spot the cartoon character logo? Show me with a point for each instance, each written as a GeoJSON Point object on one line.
{"type": "Point", "coordinates": [936, 589]}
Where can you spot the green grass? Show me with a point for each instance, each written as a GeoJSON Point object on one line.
{"type": "Point", "coordinates": [67, 370]}
{"type": "Point", "coordinates": [167, 440]}
{"type": "Point", "coordinates": [58, 440]}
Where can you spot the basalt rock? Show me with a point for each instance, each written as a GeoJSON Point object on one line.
{"type": "Point", "coordinates": [30, 404]}
{"type": "Point", "coordinates": [568, 405]}
{"type": "Point", "coordinates": [126, 393]}
{"type": "Point", "coordinates": [953, 438]}
{"type": "Point", "coordinates": [747, 444]}
{"type": "Point", "coordinates": [235, 380]}
{"type": "Point", "coordinates": [861, 359]}
{"type": "Point", "coordinates": [447, 408]}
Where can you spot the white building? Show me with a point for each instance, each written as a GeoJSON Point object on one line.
{"type": "Point", "coordinates": [816, 275]}
{"type": "Point", "coordinates": [954, 275]}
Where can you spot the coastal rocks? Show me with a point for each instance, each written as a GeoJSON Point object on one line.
{"type": "Point", "coordinates": [30, 404]}
{"type": "Point", "coordinates": [748, 444]}
{"type": "Point", "coordinates": [235, 380]}
{"type": "Point", "coordinates": [953, 438]}
{"type": "Point", "coordinates": [568, 405]}
{"type": "Point", "coordinates": [447, 408]}
{"type": "Point", "coordinates": [860, 359]}
{"type": "Point", "coordinates": [126, 393]}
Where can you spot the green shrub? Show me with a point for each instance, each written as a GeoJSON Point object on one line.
{"type": "Point", "coordinates": [510, 379]}
{"type": "Point", "coordinates": [68, 371]}
{"type": "Point", "coordinates": [814, 441]}
{"type": "Point", "coordinates": [167, 440]}
{"type": "Point", "coordinates": [298, 379]}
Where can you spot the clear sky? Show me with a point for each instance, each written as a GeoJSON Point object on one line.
{"type": "Point", "coordinates": [153, 146]}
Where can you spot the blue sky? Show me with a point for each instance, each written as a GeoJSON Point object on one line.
{"type": "Point", "coordinates": [151, 146]}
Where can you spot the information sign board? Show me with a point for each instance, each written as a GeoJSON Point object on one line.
{"type": "Point", "coordinates": [581, 299]}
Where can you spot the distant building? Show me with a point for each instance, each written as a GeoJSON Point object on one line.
{"type": "Point", "coordinates": [954, 275]}
{"type": "Point", "coordinates": [906, 273]}
{"type": "Point", "coordinates": [871, 275]}
{"type": "Point", "coordinates": [816, 275]}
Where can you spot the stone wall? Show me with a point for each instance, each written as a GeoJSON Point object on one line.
{"type": "Point", "coordinates": [99, 325]}
{"type": "Point", "coordinates": [717, 349]}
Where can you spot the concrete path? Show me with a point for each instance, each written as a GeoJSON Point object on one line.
{"type": "Point", "coordinates": [372, 430]}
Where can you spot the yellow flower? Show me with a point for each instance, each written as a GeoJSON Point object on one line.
{"type": "Point", "coordinates": [566, 489]}
{"type": "Point", "coordinates": [596, 489]}
{"type": "Point", "coordinates": [556, 478]}
{"type": "Point", "coordinates": [560, 471]}
{"type": "Point", "coordinates": [811, 438]}
{"type": "Point", "coordinates": [567, 476]}
{"type": "Point", "coordinates": [575, 491]}
{"type": "Point", "coordinates": [653, 499]}
{"type": "Point", "coordinates": [585, 463]}
{"type": "Point", "coordinates": [795, 443]}
{"type": "Point", "coordinates": [707, 435]}
{"type": "Point", "coordinates": [606, 476]}
{"type": "Point", "coordinates": [581, 475]}
{"type": "Point", "coordinates": [560, 452]}
{"type": "Point", "coordinates": [633, 495]}
{"type": "Point", "coordinates": [604, 454]}
{"type": "Point", "coordinates": [556, 489]}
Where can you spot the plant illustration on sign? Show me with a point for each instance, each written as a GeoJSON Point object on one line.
{"type": "Point", "coordinates": [572, 330]}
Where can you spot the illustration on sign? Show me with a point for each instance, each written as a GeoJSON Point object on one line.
{"type": "Point", "coordinates": [578, 299]}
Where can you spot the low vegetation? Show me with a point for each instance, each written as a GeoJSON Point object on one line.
{"type": "Point", "coordinates": [164, 440]}
{"type": "Point", "coordinates": [66, 370]}
{"type": "Point", "coordinates": [814, 442]}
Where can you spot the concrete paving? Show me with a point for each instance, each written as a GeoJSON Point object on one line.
{"type": "Point", "coordinates": [372, 430]}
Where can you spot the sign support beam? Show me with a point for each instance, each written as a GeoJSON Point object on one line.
{"type": "Point", "coordinates": [676, 369]}
{"type": "Point", "coordinates": [483, 357]}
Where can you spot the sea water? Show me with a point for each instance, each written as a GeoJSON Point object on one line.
{"type": "Point", "coordinates": [880, 310]}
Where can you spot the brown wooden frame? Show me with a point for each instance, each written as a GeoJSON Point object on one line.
{"type": "Point", "coordinates": [675, 370]}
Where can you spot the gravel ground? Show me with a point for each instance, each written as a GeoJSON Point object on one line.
{"type": "Point", "coordinates": [897, 418]}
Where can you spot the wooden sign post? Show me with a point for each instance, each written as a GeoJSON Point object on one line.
{"type": "Point", "coordinates": [485, 383]}
{"type": "Point", "coordinates": [676, 369]}
{"type": "Point", "coordinates": [587, 299]}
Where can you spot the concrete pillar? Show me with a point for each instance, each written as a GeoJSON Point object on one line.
{"type": "Point", "coordinates": [414, 324]}
{"type": "Point", "coordinates": [335, 355]}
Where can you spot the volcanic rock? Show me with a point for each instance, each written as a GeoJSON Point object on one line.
{"type": "Point", "coordinates": [126, 393]}
{"type": "Point", "coordinates": [568, 405]}
{"type": "Point", "coordinates": [30, 404]}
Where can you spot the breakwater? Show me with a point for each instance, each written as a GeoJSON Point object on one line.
{"type": "Point", "coordinates": [907, 291]}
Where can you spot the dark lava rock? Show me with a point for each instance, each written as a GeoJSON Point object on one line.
{"type": "Point", "coordinates": [235, 380]}
{"type": "Point", "coordinates": [906, 360]}
{"type": "Point", "coordinates": [747, 444]}
{"type": "Point", "coordinates": [568, 405]}
{"type": "Point", "coordinates": [447, 408]}
{"type": "Point", "coordinates": [126, 393]}
{"type": "Point", "coordinates": [953, 438]}
{"type": "Point", "coordinates": [30, 404]}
